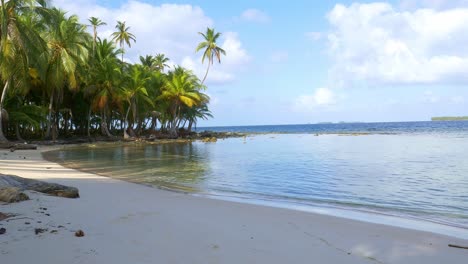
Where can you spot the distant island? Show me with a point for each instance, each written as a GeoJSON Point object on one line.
{"type": "Point", "coordinates": [450, 118]}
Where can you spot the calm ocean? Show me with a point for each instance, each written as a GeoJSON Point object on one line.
{"type": "Point", "coordinates": [413, 170]}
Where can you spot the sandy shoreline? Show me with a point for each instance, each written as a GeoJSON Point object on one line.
{"type": "Point", "coordinates": [130, 223]}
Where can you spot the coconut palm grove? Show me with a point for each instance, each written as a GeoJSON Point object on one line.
{"type": "Point", "coordinates": [58, 80]}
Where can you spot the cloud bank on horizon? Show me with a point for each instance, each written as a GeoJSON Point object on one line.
{"type": "Point", "coordinates": [395, 47]}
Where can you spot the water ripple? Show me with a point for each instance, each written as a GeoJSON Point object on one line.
{"type": "Point", "coordinates": [421, 176]}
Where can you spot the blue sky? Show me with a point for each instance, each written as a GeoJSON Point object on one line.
{"type": "Point", "coordinates": [294, 62]}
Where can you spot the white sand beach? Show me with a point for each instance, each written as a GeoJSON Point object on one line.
{"type": "Point", "coordinates": [130, 223]}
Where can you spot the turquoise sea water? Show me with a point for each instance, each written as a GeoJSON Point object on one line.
{"type": "Point", "coordinates": [421, 175]}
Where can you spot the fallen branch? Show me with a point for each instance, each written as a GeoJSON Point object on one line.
{"type": "Point", "coordinates": [19, 218]}
{"type": "Point", "coordinates": [457, 246]}
{"type": "Point", "coordinates": [17, 146]}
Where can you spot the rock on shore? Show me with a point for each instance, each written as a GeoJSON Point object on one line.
{"type": "Point", "coordinates": [12, 189]}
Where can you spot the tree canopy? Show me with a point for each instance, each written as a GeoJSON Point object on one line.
{"type": "Point", "coordinates": [58, 80]}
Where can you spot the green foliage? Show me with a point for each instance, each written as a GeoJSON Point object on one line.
{"type": "Point", "coordinates": [123, 36]}
{"type": "Point", "coordinates": [57, 79]}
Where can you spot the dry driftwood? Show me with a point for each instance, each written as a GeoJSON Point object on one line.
{"type": "Point", "coordinates": [457, 246]}
{"type": "Point", "coordinates": [12, 187]}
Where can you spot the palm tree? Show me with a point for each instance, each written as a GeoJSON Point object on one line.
{"type": "Point", "coordinates": [24, 115]}
{"type": "Point", "coordinates": [211, 49]}
{"type": "Point", "coordinates": [147, 61]}
{"type": "Point", "coordinates": [200, 111]}
{"type": "Point", "coordinates": [104, 76]}
{"type": "Point", "coordinates": [161, 62]}
{"type": "Point", "coordinates": [156, 63]}
{"type": "Point", "coordinates": [134, 89]}
{"type": "Point", "coordinates": [122, 36]}
{"type": "Point", "coordinates": [181, 88]}
{"type": "Point", "coordinates": [67, 41]}
{"type": "Point", "coordinates": [95, 23]}
{"type": "Point", "coordinates": [16, 41]}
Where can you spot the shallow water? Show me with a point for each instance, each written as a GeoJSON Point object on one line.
{"type": "Point", "coordinates": [422, 176]}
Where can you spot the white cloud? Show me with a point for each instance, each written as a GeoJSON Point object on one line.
{"type": "Point", "coordinates": [322, 97]}
{"type": "Point", "coordinates": [255, 15]}
{"type": "Point", "coordinates": [378, 44]}
{"type": "Point", "coordinates": [236, 58]}
{"type": "Point", "coordinates": [434, 4]}
{"type": "Point", "coordinates": [171, 29]}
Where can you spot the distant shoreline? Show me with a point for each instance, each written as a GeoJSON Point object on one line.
{"type": "Point", "coordinates": [450, 118]}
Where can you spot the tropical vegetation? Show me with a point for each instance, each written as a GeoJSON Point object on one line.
{"type": "Point", "coordinates": [450, 118]}
{"type": "Point", "coordinates": [58, 80]}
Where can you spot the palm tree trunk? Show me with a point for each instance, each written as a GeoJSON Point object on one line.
{"type": "Point", "coordinates": [173, 129]}
{"type": "Point", "coordinates": [94, 39]}
{"type": "Point", "coordinates": [104, 129]}
{"type": "Point", "coordinates": [153, 124]}
{"type": "Point", "coordinates": [123, 51]}
{"type": "Point", "coordinates": [124, 124]}
{"type": "Point", "coordinates": [18, 134]}
{"type": "Point", "coordinates": [2, 99]}
{"type": "Point", "coordinates": [189, 129]}
{"type": "Point", "coordinates": [49, 117]}
{"type": "Point", "coordinates": [206, 74]}
{"type": "Point", "coordinates": [66, 121]}
{"type": "Point", "coordinates": [88, 128]}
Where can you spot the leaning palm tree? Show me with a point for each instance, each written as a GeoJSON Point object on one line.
{"type": "Point", "coordinates": [123, 36]}
{"type": "Point", "coordinates": [95, 23]}
{"type": "Point", "coordinates": [211, 49]}
{"type": "Point", "coordinates": [17, 40]}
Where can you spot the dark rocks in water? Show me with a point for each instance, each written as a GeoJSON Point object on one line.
{"type": "Point", "coordinates": [12, 187]}
{"type": "Point", "coordinates": [209, 139]}
{"type": "Point", "coordinates": [212, 134]}
{"type": "Point", "coordinates": [79, 233]}
{"type": "Point", "coordinates": [2, 231]}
